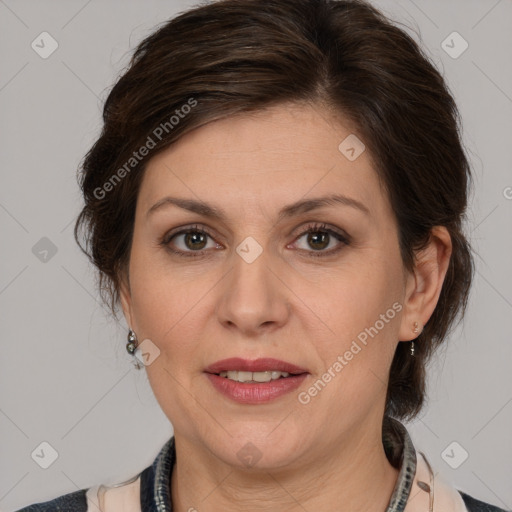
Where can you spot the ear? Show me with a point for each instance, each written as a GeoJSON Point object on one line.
{"type": "Point", "coordinates": [423, 286]}
{"type": "Point", "coordinates": [126, 298]}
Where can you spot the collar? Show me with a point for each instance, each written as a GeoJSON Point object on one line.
{"type": "Point", "coordinates": [414, 491]}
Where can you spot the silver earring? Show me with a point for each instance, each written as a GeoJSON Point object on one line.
{"type": "Point", "coordinates": [131, 347]}
{"type": "Point", "coordinates": [415, 330]}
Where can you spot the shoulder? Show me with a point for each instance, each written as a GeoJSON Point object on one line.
{"type": "Point", "coordinates": [75, 501]}
{"type": "Point", "coordinates": [474, 505]}
{"type": "Point", "coordinates": [123, 496]}
{"type": "Point", "coordinates": [441, 492]}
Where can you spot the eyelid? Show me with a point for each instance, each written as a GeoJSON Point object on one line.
{"type": "Point", "coordinates": [183, 230]}
{"type": "Point", "coordinates": [314, 226]}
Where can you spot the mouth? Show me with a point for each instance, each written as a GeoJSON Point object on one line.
{"type": "Point", "coordinates": [258, 370]}
{"type": "Point", "coordinates": [265, 376]}
{"type": "Point", "coordinates": [257, 381]}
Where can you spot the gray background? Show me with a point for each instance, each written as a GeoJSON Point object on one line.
{"type": "Point", "coordinates": [65, 376]}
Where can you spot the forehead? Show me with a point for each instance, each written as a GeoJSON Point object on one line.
{"type": "Point", "coordinates": [264, 160]}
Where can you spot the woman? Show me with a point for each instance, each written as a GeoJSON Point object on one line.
{"type": "Point", "coordinates": [276, 202]}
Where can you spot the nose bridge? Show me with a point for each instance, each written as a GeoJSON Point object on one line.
{"type": "Point", "coordinates": [253, 296]}
{"type": "Point", "coordinates": [250, 250]}
{"type": "Point", "coordinates": [250, 281]}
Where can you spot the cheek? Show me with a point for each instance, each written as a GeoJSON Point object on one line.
{"type": "Point", "coordinates": [351, 299]}
{"type": "Point", "coordinates": [164, 308]}
{"type": "Point", "coordinates": [159, 299]}
{"type": "Point", "coordinates": [362, 307]}
{"type": "Point", "coordinates": [171, 304]}
{"type": "Point", "coordinates": [157, 303]}
{"type": "Point", "coordinates": [354, 362]}
{"type": "Point", "coordinates": [165, 311]}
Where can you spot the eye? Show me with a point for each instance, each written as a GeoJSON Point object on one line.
{"type": "Point", "coordinates": [319, 237]}
{"type": "Point", "coordinates": [191, 241]}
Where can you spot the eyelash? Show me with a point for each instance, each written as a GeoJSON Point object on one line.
{"type": "Point", "coordinates": [312, 228]}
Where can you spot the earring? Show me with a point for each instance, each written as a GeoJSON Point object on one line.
{"type": "Point", "coordinates": [415, 330]}
{"type": "Point", "coordinates": [131, 347]}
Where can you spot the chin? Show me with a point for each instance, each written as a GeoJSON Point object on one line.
{"type": "Point", "coordinates": [257, 446]}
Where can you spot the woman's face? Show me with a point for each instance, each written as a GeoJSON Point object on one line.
{"type": "Point", "coordinates": [255, 286]}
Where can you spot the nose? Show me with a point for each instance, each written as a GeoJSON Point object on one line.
{"type": "Point", "coordinates": [254, 299]}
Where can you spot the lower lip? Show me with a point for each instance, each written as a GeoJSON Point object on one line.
{"type": "Point", "coordinates": [255, 393]}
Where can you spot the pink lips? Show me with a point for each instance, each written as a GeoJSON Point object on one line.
{"type": "Point", "coordinates": [258, 365]}
{"type": "Point", "coordinates": [255, 392]}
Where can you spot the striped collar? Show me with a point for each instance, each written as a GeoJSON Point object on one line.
{"type": "Point", "coordinates": [150, 490]}
{"type": "Point", "coordinates": [155, 480]}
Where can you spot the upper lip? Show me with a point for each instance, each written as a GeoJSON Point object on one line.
{"type": "Point", "coordinates": [257, 365]}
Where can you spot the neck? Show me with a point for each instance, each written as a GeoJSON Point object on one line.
{"type": "Point", "coordinates": [355, 477]}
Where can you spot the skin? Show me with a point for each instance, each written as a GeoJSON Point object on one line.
{"type": "Point", "coordinates": [323, 455]}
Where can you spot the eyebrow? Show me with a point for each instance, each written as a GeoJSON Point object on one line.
{"type": "Point", "coordinates": [302, 206]}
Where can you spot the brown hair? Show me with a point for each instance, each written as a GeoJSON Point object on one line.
{"type": "Point", "coordinates": [235, 56]}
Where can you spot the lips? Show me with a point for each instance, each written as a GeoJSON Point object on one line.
{"type": "Point", "coordinates": [257, 365]}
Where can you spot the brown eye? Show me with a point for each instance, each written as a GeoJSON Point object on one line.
{"type": "Point", "coordinates": [195, 240]}
{"type": "Point", "coordinates": [319, 238]}
{"type": "Point", "coordinates": [188, 242]}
